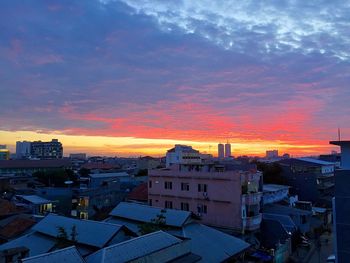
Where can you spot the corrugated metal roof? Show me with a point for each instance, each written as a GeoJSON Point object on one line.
{"type": "Point", "coordinates": [133, 226]}
{"type": "Point", "coordinates": [285, 210]}
{"type": "Point", "coordinates": [316, 161]}
{"type": "Point", "coordinates": [35, 242]}
{"type": "Point", "coordinates": [89, 232]}
{"type": "Point", "coordinates": [109, 175]}
{"type": "Point", "coordinates": [284, 220]}
{"type": "Point", "coordinates": [134, 248]}
{"type": "Point", "coordinates": [274, 187]}
{"type": "Point", "coordinates": [145, 213]}
{"type": "Point", "coordinates": [34, 199]}
{"type": "Point", "coordinates": [67, 255]}
{"type": "Point", "coordinates": [212, 245]}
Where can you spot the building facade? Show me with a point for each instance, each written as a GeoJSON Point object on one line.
{"type": "Point", "coordinates": [228, 150]}
{"type": "Point", "coordinates": [272, 154]}
{"type": "Point", "coordinates": [4, 153]}
{"type": "Point", "coordinates": [222, 198]}
{"type": "Point", "coordinates": [46, 150]}
{"type": "Point", "coordinates": [23, 149]}
{"type": "Point", "coordinates": [182, 154]}
{"type": "Point", "coordinates": [221, 151]}
{"type": "Point", "coordinates": [310, 179]}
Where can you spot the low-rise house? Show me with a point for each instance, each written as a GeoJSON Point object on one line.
{"type": "Point", "coordinates": [66, 255]}
{"type": "Point", "coordinates": [154, 247]}
{"type": "Point", "coordinates": [89, 236]}
{"type": "Point", "coordinates": [14, 226]}
{"type": "Point", "coordinates": [36, 204]}
{"type": "Point", "coordinates": [301, 218]}
{"type": "Point", "coordinates": [139, 194]}
{"type": "Point", "coordinates": [210, 244]}
{"type": "Point", "coordinates": [274, 193]}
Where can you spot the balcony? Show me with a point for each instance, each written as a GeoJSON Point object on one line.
{"type": "Point", "coordinates": [252, 223]}
{"type": "Point", "coordinates": [251, 198]}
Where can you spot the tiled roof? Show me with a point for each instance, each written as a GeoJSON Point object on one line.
{"type": "Point", "coordinates": [145, 213]}
{"type": "Point", "coordinates": [105, 166]}
{"type": "Point", "coordinates": [66, 255]}
{"type": "Point", "coordinates": [16, 227]}
{"type": "Point", "coordinates": [8, 208]}
{"type": "Point", "coordinates": [89, 232]}
{"type": "Point", "coordinates": [139, 193]}
{"type": "Point", "coordinates": [134, 248]}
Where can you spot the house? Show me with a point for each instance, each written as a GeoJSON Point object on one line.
{"type": "Point", "coordinates": [301, 218]}
{"type": "Point", "coordinates": [139, 194]}
{"type": "Point", "coordinates": [90, 236]}
{"type": "Point", "coordinates": [36, 204]}
{"type": "Point", "coordinates": [210, 244]}
{"type": "Point", "coordinates": [14, 226]}
{"type": "Point", "coordinates": [154, 247]}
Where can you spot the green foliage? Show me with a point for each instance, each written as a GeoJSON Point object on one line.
{"type": "Point", "coordinates": [272, 173]}
{"type": "Point", "coordinates": [55, 177]}
{"type": "Point", "coordinates": [156, 224]}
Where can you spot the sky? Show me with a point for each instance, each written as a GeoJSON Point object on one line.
{"type": "Point", "coordinates": [128, 78]}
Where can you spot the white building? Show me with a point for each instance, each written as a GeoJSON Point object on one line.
{"type": "Point", "coordinates": [22, 149]}
{"type": "Point", "coordinates": [182, 154]}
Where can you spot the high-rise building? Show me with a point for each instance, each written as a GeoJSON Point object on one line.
{"type": "Point", "coordinates": [22, 150]}
{"type": "Point", "coordinates": [182, 154]}
{"type": "Point", "coordinates": [4, 152]}
{"type": "Point", "coordinates": [221, 151]}
{"type": "Point", "coordinates": [227, 150]}
{"type": "Point", "coordinates": [341, 205]}
{"type": "Point", "coordinates": [46, 150]}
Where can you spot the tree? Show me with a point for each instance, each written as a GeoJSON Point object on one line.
{"type": "Point", "coordinates": [156, 224]}
{"type": "Point", "coordinates": [272, 173]}
{"type": "Point", "coordinates": [62, 239]}
{"type": "Point", "coordinates": [56, 177]}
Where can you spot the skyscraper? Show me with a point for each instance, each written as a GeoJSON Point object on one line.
{"type": "Point", "coordinates": [22, 149]}
{"type": "Point", "coordinates": [221, 151]}
{"type": "Point", "coordinates": [227, 150]}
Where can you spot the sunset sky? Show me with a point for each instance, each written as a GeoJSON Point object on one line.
{"type": "Point", "coordinates": [134, 77]}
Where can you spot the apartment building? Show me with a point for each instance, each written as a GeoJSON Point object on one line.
{"type": "Point", "coordinates": [223, 196]}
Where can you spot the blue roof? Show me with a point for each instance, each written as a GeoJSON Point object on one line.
{"type": "Point", "coordinates": [284, 220]}
{"type": "Point", "coordinates": [134, 248]}
{"type": "Point", "coordinates": [315, 161]}
{"type": "Point", "coordinates": [66, 255]}
{"type": "Point", "coordinates": [89, 232]}
{"type": "Point", "coordinates": [34, 199]}
{"type": "Point", "coordinates": [35, 242]}
{"type": "Point", "coordinates": [145, 213]}
{"type": "Point", "coordinates": [212, 245]}
{"type": "Point", "coordinates": [285, 210]}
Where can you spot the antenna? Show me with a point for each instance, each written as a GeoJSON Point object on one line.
{"type": "Point", "coordinates": [339, 134]}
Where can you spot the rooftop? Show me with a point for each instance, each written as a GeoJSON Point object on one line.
{"type": "Point", "coordinates": [9, 164]}
{"type": "Point", "coordinates": [8, 208]}
{"type": "Point", "coordinates": [139, 193]}
{"type": "Point", "coordinates": [134, 248]}
{"type": "Point", "coordinates": [34, 199]}
{"type": "Point", "coordinates": [145, 213]}
{"type": "Point", "coordinates": [317, 161]}
{"type": "Point", "coordinates": [89, 232]}
{"type": "Point", "coordinates": [66, 255]}
{"type": "Point", "coordinates": [16, 227]}
{"type": "Point", "coordinates": [109, 175]}
{"type": "Point", "coordinates": [274, 187]}
{"type": "Point", "coordinates": [340, 143]}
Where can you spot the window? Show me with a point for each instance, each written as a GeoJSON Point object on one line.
{"type": "Point", "coordinates": [168, 185]}
{"type": "Point", "coordinates": [168, 204]}
{"type": "Point", "coordinates": [185, 206]}
{"type": "Point", "coordinates": [150, 183]}
{"type": "Point", "coordinates": [185, 187]}
{"type": "Point", "coordinates": [202, 209]}
{"type": "Point", "coordinates": [202, 188]}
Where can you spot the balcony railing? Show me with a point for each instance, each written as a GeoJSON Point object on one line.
{"type": "Point", "coordinates": [252, 223]}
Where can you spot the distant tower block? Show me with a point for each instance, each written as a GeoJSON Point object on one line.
{"type": "Point", "coordinates": [227, 150]}
{"type": "Point", "coordinates": [221, 152]}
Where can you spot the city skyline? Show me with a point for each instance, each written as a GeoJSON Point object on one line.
{"type": "Point", "coordinates": [130, 78]}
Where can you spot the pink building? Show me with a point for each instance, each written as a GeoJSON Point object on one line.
{"type": "Point", "coordinates": [220, 196]}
